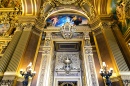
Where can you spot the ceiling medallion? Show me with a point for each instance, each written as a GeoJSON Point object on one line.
{"type": "Point", "coordinates": [67, 1]}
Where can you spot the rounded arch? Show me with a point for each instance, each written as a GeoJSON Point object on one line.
{"type": "Point", "coordinates": [67, 10]}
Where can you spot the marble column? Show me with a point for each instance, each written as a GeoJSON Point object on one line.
{"type": "Point", "coordinates": [44, 76]}
{"type": "Point", "coordinates": [88, 65]}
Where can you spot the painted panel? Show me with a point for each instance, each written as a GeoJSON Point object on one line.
{"type": "Point", "coordinates": [60, 20]}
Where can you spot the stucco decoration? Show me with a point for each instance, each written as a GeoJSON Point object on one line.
{"type": "Point", "coordinates": [67, 1]}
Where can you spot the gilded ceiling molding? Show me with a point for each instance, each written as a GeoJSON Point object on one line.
{"type": "Point", "coordinates": [29, 7]}
{"type": "Point", "coordinates": [85, 5]}
{"type": "Point", "coordinates": [103, 7]}
{"type": "Point", "coordinates": [67, 2]}
{"type": "Point", "coordinates": [109, 8]}
{"type": "Point", "coordinates": [45, 9]}
{"type": "Point", "coordinates": [89, 9]}
{"type": "Point", "coordinates": [97, 6]}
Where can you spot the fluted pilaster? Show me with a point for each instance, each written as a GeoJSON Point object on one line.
{"type": "Point", "coordinates": [9, 51]}
{"type": "Point", "coordinates": [19, 51]}
{"type": "Point", "coordinates": [122, 66]}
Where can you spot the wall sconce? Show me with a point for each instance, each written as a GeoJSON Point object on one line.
{"type": "Point", "coordinates": [27, 73]}
{"type": "Point", "coordinates": [104, 72]}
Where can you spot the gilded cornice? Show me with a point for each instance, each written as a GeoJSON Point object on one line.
{"type": "Point", "coordinates": [30, 7]}
{"type": "Point", "coordinates": [26, 18]}
{"type": "Point", "coordinates": [78, 29]}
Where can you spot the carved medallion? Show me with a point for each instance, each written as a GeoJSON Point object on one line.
{"type": "Point", "coordinates": [67, 30]}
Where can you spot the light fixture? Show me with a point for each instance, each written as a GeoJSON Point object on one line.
{"type": "Point", "coordinates": [128, 44]}
{"type": "Point", "coordinates": [27, 73]}
{"type": "Point", "coordinates": [67, 66]}
{"type": "Point", "coordinates": [104, 72]}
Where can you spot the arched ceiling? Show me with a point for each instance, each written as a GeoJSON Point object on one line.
{"type": "Point", "coordinates": [33, 7]}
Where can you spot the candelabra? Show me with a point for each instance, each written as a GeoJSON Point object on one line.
{"type": "Point", "coordinates": [27, 73]}
{"type": "Point", "coordinates": [104, 72]}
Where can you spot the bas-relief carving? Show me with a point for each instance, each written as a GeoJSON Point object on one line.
{"type": "Point", "coordinates": [75, 35]}
{"type": "Point", "coordinates": [90, 71]}
{"type": "Point", "coordinates": [10, 3]}
{"type": "Point", "coordinates": [51, 73]}
{"type": "Point", "coordinates": [46, 50]}
{"type": "Point", "coordinates": [60, 73]}
{"type": "Point", "coordinates": [75, 65]}
{"type": "Point", "coordinates": [120, 10]}
{"type": "Point", "coordinates": [67, 30]}
{"type": "Point", "coordinates": [47, 42]}
{"type": "Point", "coordinates": [42, 71]}
{"type": "Point", "coordinates": [6, 82]}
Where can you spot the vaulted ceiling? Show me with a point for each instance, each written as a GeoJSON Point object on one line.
{"type": "Point", "coordinates": [100, 7]}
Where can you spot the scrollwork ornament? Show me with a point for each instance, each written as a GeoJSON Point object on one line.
{"type": "Point", "coordinates": [28, 26]}
{"type": "Point", "coordinates": [46, 51]}
{"type": "Point", "coordinates": [67, 30]}
{"type": "Point", "coordinates": [92, 13]}
{"type": "Point", "coordinates": [127, 9]}
{"type": "Point", "coordinates": [47, 42]}
{"type": "Point", "coordinates": [120, 10]}
{"type": "Point", "coordinates": [88, 51]}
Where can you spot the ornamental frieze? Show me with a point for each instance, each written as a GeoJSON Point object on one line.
{"type": "Point", "coordinates": [46, 50]}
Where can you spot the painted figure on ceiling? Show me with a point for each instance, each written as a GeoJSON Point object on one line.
{"type": "Point", "coordinates": [54, 21]}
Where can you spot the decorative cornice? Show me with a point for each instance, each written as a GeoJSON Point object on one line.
{"type": "Point", "coordinates": [26, 18]}
{"type": "Point", "coordinates": [78, 29]}
{"type": "Point", "coordinates": [125, 75]}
